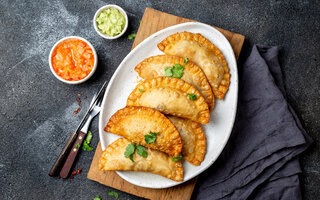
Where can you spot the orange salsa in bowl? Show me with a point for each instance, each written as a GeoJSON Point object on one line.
{"type": "Point", "coordinates": [72, 59]}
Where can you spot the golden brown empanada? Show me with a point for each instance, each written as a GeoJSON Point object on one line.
{"type": "Point", "coordinates": [113, 159]}
{"type": "Point", "coordinates": [204, 54]}
{"type": "Point", "coordinates": [171, 96]}
{"type": "Point", "coordinates": [134, 123]}
{"type": "Point", "coordinates": [155, 66]}
{"type": "Point", "coordinates": [193, 138]}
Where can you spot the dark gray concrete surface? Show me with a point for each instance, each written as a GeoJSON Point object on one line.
{"type": "Point", "coordinates": [36, 110]}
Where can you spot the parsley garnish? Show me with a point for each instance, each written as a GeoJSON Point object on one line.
{"type": "Point", "coordinates": [97, 198]}
{"type": "Point", "coordinates": [130, 151]}
{"type": "Point", "coordinates": [176, 159]}
{"type": "Point", "coordinates": [89, 137]}
{"type": "Point", "coordinates": [168, 72]}
{"type": "Point", "coordinates": [185, 60]}
{"type": "Point", "coordinates": [132, 36]}
{"type": "Point", "coordinates": [113, 194]}
{"type": "Point", "coordinates": [86, 146]}
{"type": "Point", "coordinates": [87, 141]}
{"type": "Point", "coordinates": [176, 71]}
{"type": "Point", "coordinates": [78, 145]}
{"type": "Point", "coordinates": [141, 150]}
{"type": "Point", "coordinates": [151, 138]}
{"type": "Point", "coordinates": [141, 90]}
{"type": "Point", "coordinates": [193, 97]}
{"type": "Point", "coordinates": [139, 21]}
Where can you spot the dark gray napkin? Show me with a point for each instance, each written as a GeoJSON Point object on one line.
{"type": "Point", "coordinates": [260, 159]}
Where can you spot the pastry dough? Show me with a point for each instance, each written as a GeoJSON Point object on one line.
{"type": "Point", "coordinates": [193, 138]}
{"type": "Point", "coordinates": [204, 54]}
{"type": "Point", "coordinates": [134, 123]}
{"type": "Point", "coordinates": [113, 159]}
{"type": "Point", "coordinates": [170, 96]}
{"type": "Point", "coordinates": [155, 66]}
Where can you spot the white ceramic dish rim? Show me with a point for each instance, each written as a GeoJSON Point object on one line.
{"type": "Point", "coordinates": [101, 122]}
{"type": "Point", "coordinates": [121, 11]}
{"type": "Point", "coordinates": [94, 65]}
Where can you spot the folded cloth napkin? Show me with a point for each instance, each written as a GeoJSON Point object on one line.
{"type": "Point", "coordinates": [260, 159]}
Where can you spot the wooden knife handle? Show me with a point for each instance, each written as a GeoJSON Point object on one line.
{"type": "Point", "coordinates": [54, 171]}
{"type": "Point", "coordinates": [72, 155]}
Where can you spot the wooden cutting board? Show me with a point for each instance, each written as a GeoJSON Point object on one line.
{"type": "Point", "coordinates": [152, 22]}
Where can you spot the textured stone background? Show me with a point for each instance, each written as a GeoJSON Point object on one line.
{"type": "Point", "coordinates": [36, 110]}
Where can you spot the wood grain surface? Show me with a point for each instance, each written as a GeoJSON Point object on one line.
{"type": "Point", "coordinates": [152, 22]}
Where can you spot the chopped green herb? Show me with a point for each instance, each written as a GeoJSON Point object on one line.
{"type": "Point", "coordinates": [97, 198]}
{"type": "Point", "coordinates": [78, 145]}
{"type": "Point", "coordinates": [87, 141]}
{"type": "Point", "coordinates": [168, 72]}
{"type": "Point", "coordinates": [89, 137]}
{"type": "Point", "coordinates": [130, 151]}
{"type": "Point", "coordinates": [151, 138]}
{"type": "Point", "coordinates": [139, 21]}
{"type": "Point", "coordinates": [176, 71]}
{"type": "Point", "coordinates": [176, 159]}
{"type": "Point", "coordinates": [185, 60]}
{"type": "Point", "coordinates": [113, 194]}
{"type": "Point", "coordinates": [141, 150]}
{"type": "Point", "coordinates": [131, 157]}
{"type": "Point", "coordinates": [141, 90]}
{"type": "Point", "coordinates": [86, 146]}
{"type": "Point", "coordinates": [132, 36]}
{"type": "Point", "coordinates": [193, 97]}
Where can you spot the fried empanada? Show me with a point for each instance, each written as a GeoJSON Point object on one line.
{"type": "Point", "coordinates": [171, 96]}
{"type": "Point", "coordinates": [155, 66]}
{"type": "Point", "coordinates": [113, 159]}
{"type": "Point", "coordinates": [134, 123]}
{"type": "Point", "coordinates": [204, 54]}
{"type": "Point", "coordinates": [193, 138]}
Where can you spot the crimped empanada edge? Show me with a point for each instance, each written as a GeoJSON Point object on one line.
{"type": "Point", "coordinates": [201, 143]}
{"type": "Point", "coordinates": [200, 139]}
{"type": "Point", "coordinates": [225, 82]}
{"type": "Point", "coordinates": [121, 143]}
{"type": "Point", "coordinates": [190, 66]}
{"type": "Point", "coordinates": [128, 110]}
{"type": "Point", "coordinates": [135, 94]}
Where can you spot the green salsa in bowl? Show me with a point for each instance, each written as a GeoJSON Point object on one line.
{"type": "Point", "coordinates": [110, 21]}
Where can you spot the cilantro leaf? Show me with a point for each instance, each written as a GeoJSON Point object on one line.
{"type": "Point", "coordinates": [139, 21]}
{"type": "Point", "coordinates": [86, 146]}
{"type": "Point", "coordinates": [141, 90]}
{"type": "Point", "coordinates": [185, 60]}
{"type": "Point", "coordinates": [177, 71]}
{"type": "Point", "coordinates": [97, 198]}
{"type": "Point", "coordinates": [131, 157]}
{"type": "Point", "coordinates": [87, 141]}
{"type": "Point", "coordinates": [141, 150]}
{"type": "Point", "coordinates": [132, 36]}
{"type": "Point", "coordinates": [151, 138]}
{"type": "Point", "coordinates": [168, 72]}
{"type": "Point", "coordinates": [130, 151]}
{"type": "Point", "coordinates": [113, 194]}
{"type": "Point", "coordinates": [178, 67]}
{"type": "Point", "coordinates": [78, 145]}
{"type": "Point", "coordinates": [176, 159]}
{"type": "Point", "coordinates": [193, 97]}
{"type": "Point", "coordinates": [89, 137]}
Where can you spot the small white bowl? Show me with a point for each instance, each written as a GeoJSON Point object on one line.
{"type": "Point", "coordinates": [106, 7]}
{"type": "Point", "coordinates": [93, 68]}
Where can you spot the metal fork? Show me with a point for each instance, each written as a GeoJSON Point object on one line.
{"type": "Point", "coordinates": [78, 143]}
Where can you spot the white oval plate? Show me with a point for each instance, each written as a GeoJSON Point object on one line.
{"type": "Point", "coordinates": [124, 80]}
